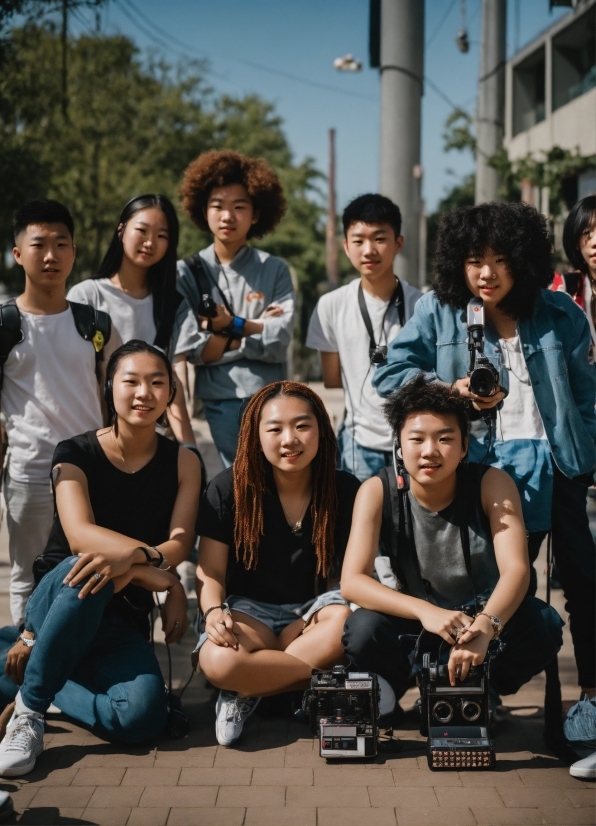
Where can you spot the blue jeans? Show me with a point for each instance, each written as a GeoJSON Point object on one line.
{"type": "Point", "coordinates": [98, 669]}
{"type": "Point", "coordinates": [361, 461]}
{"type": "Point", "coordinates": [223, 418]}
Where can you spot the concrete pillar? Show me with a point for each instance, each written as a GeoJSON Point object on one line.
{"type": "Point", "coordinates": [402, 62]}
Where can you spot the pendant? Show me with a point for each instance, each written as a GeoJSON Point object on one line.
{"type": "Point", "coordinates": [297, 527]}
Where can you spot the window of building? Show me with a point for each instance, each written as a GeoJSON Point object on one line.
{"type": "Point", "coordinates": [574, 59]}
{"type": "Point", "coordinates": [529, 91]}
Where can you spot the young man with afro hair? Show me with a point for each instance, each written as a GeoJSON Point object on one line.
{"type": "Point", "coordinates": [538, 341]}
{"type": "Point", "coordinates": [239, 343]}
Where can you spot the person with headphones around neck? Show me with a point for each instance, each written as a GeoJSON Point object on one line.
{"type": "Point", "coordinates": [126, 503]}
{"type": "Point", "coordinates": [352, 326]}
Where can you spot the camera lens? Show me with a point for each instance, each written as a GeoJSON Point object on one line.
{"type": "Point", "coordinates": [443, 711]}
{"type": "Point", "coordinates": [482, 381]}
{"type": "Point", "coordinates": [470, 710]}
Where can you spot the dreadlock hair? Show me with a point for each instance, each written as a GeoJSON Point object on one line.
{"type": "Point", "coordinates": [250, 477]}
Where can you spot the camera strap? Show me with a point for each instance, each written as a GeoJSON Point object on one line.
{"type": "Point", "coordinates": [204, 282]}
{"type": "Point", "coordinates": [396, 300]}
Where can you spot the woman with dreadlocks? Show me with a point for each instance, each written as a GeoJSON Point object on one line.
{"type": "Point", "coordinates": [274, 529]}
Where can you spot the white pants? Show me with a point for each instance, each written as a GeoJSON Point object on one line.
{"type": "Point", "coordinates": [29, 516]}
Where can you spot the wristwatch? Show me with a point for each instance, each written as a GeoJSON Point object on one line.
{"type": "Point", "coordinates": [158, 561]}
{"type": "Point", "coordinates": [26, 641]}
{"type": "Point", "coordinates": [495, 622]}
{"type": "Point", "coordinates": [224, 608]}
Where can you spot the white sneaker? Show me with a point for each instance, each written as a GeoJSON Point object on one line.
{"type": "Point", "coordinates": [586, 768]}
{"type": "Point", "coordinates": [230, 713]}
{"type": "Point", "coordinates": [22, 744]}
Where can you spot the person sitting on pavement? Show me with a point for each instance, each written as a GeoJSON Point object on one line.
{"type": "Point", "coordinates": [433, 576]}
{"type": "Point", "coordinates": [273, 530]}
{"type": "Point", "coordinates": [126, 503]}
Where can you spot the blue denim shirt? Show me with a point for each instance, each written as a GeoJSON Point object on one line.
{"type": "Point", "coordinates": [555, 341]}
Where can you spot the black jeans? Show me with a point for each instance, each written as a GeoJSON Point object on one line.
{"type": "Point", "coordinates": [532, 638]}
{"type": "Point", "coordinates": [575, 555]}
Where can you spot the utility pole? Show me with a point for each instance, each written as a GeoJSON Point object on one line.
{"type": "Point", "coordinates": [64, 59]}
{"type": "Point", "coordinates": [331, 233]}
{"type": "Point", "coordinates": [401, 62]}
{"type": "Point", "coordinates": [490, 117]}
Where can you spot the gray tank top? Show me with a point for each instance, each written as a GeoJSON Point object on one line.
{"type": "Point", "coordinates": [447, 582]}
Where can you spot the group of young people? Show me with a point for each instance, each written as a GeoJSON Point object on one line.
{"type": "Point", "coordinates": [303, 560]}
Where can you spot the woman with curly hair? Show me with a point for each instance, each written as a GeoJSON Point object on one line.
{"type": "Point", "coordinates": [241, 298]}
{"type": "Point", "coordinates": [273, 529]}
{"type": "Point", "coordinates": [543, 420]}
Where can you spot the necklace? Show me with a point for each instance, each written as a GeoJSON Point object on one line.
{"type": "Point", "coordinates": [126, 469]}
{"type": "Point", "coordinates": [296, 526]}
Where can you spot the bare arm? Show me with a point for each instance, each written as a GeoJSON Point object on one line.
{"type": "Point", "coordinates": [331, 368]}
{"type": "Point", "coordinates": [211, 590]}
{"type": "Point", "coordinates": [179, 419]}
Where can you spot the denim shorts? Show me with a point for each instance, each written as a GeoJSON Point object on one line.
{"type": "Point", "coordinates": [278, 617]}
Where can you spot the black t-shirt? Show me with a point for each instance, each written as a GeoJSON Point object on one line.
{"type": "Point", "coordinates": [138, 505]}
{"type": "Point", "coordinates": [287, 563]}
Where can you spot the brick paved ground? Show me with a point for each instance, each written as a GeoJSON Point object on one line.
{"type": "Point", "coordinates": [276, 778]}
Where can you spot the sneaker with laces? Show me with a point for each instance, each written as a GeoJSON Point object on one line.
{"type": "Point", "coordinates": [22, 744]}
{"type": "Point", "coordinates": [231, 711]}
{"type": "Point", "coordinates": [586, 768]}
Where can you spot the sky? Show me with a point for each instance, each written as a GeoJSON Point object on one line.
{"type": "Point", "coordinates": [283, 50]}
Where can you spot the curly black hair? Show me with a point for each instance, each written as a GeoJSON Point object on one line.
{"type": "Point", "coordinates": [421, 395]}
{"type": "Point", "coordinates": [222, 167]}
{"type": "Point", "coordinates": [515, 230]}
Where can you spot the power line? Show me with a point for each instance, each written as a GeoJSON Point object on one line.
{"type": "Point", "coordinates": [440, 26]}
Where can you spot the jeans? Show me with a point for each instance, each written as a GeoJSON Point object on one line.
{"type": "Point", "coordinates": [575, 555]}
{"type": "Point", "coordinates": [29, 517]}
{"type": "Point", "coordinates": [363, 462]}
{"type": "Point", "coordinates": [533, 637]}
{"type": "Point", "coordinates": [223, 417]}
{"type": "Point", "coordinates": [97, 669]}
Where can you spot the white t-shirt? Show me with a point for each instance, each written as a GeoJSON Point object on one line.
{"type": "Point", "coordinates": [132, 317]}
{"type": "Point", "coordinates": [336, 326]}
{"type": "Point", "coordinates": [519, 418]}
{"type": "Point", "coordinates": [50, 393]}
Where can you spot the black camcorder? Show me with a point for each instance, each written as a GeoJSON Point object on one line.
{"type": "Point", "coordinates": [455, 719]}
{"type": "Point", "coordinates": [207, 307]}
{"type": "Point", "coordinates": [484, 379]}
{"type": "Point", "coordinates": [343, 708]}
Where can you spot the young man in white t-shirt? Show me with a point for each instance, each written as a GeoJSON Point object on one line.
{"type": "Point", "coordinates": [352, 326]}
{"type": "Point", "coordinates": [50, 390]}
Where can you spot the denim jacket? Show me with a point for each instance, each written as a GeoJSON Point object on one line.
{"type": "Point", "coordinates": [555, 341]}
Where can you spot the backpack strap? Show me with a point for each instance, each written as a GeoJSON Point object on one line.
{"type": "Point", "coordinates": [94, 326]}
{"type": "Point", "coordinates": [10, 332]}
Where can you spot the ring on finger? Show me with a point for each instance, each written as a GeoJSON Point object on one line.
{"type": "Point", "coordinates": [457, 673]}
{"type": "Point", "coordinates": [97, 576]}
{"type": "Point", "coordinates": [221, 622]}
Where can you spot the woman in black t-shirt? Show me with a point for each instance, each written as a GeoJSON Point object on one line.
{"type": "Point", "coordinates": [274, 529]}
{"type": "Point", "coordinates": [126, 503]}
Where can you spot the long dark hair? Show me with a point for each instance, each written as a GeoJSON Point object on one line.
{"type": "Point", "coordinates": [161, 277]}
{"type": "Point", "coordinates": [580, 218]}
{"type": "Point", "coordinates": [249, 477]}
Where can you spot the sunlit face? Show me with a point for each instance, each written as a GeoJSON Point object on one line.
{"type": "Point", "coordinates": [46, 252]}
{"type": "Point", "coordinates": [432, 447]}
{"type": "Point", "coordinates": [141, 389]}
{"type": "Point", "coordinates": [145, 237]}
{"type": "Point", "coordinates": [488, 276]}
{"type": "Point", "coordinates": [371, 248]}
{"type": "Point", "coordinates": [230, 213]}
{"type": "Point", "coordinates": [289, 433]}
{"type": "Point", "coordinates": [587, 246]}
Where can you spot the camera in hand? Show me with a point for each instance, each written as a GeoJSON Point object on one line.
{"type": "Point", "coordinates": [455, 718]}
{"type": "Point", "coordinates": [207, 306]}
{"type": "Point", "coordinates": [484, 379]}
{"type": "Point", "coordinates": [343, 707]}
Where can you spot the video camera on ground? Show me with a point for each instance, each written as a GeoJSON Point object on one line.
{"type": "Point", "coordinates": [343, 707]}
{"type": "Point", "coordinates": [455, 718]}
{"type": "Point", "coordinates": [484, 379]}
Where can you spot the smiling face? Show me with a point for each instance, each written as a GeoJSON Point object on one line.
{"type": "Point", "coordinates": [47, 253]}
{"type": "Point", "coordinates": [141, 389]}
{"type": "Point", "coordinates": [488, 276]}
{"type": "Point", "coordinates": [371, 248]}
{"type": "Point", "coordinates": [145, 237]}
{"type": "Point", "coordinates": [587, 246]}
{"type": "Point", "coordinates": [289, 433]}
{"type": "Point", "coordinates": [230, 213]}
{"type": "Point", "coordinates": [432, 447]}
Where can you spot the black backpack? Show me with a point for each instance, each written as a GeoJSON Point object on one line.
{"type": "Point", "coordinates": [92, 325]}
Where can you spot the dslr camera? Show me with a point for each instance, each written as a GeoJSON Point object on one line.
{"type": "Point", "coordinates": [484, 379]}
{"type": "Point", "coordinates": [343, 708]}
{"type": "Point", "coordinates": [207, 306]}
{"type": "Point", "coordinates": [455, 718]}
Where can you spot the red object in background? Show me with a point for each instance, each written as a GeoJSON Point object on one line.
{"type": "Point", "coordinates": [571, 283]}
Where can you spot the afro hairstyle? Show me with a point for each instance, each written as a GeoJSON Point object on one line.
{"type": "Point", "coordinates": [222, 167]}
{"type": "Point", "coordinates": [516, 231]}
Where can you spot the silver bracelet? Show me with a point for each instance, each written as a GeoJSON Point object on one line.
{"type": "Point", "coordinates": [26, 641]}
